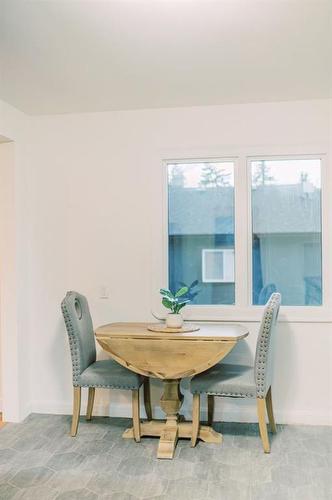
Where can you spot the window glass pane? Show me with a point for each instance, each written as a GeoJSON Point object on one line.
{"type": "Point", "coordinates": [201, 221]}
{"type": "Point", "coordinates": [286, 242]}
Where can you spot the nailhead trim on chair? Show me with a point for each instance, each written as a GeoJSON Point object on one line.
{"type": "Point", "coordinates": [77, 371]}
{"type": "Point", "coordinates": [72, 343]}
{"type": "Point", "coordinates": [124, 387]}
{"type": "Point", "coordinates": [270, 316]}
{"type": "Point", "coordinates": [263, 344]}
{"type": "Point", "coordinates": [230, 394]}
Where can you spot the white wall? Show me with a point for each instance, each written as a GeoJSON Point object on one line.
{"type": "Point", "coordinates": [93, 216]}
{"type": "Point", "coordinates": [14, 223]}
{"type": "Point", "coordinates": [96, 214]}
{"type": "Point", "coordinates": [7, 258]}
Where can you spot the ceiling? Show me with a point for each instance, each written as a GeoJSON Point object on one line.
{"type": "Point", "coordinates": [63, 56]}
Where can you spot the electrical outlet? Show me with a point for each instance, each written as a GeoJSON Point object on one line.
{"type": "Point", "coordinates": [104, 292]}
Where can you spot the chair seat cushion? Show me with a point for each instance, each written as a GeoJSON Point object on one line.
{"type": "Point", "coordinates": [109, 374]}
{"type": "Point", "coordinates": [237, 381]}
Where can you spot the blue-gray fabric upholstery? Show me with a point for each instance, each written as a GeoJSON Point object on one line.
{"type": "Point", "coordinates": [87, 372]}
{"type": "Point", "coordinates": [244, 381]}
{"type": "Point", "coordinates": [264, 346]}
{"type": "Point", "coordinates": [110, 374]}
{"type": "Point", "coordinates": [76, 313]}
{"type": "Point", "coordinates": [237, 381]}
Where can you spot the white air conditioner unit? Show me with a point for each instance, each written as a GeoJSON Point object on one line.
{"type": "Point", "coordinates": [218, 265]}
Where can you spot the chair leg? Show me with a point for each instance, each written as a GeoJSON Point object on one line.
{"type": "Point", "coordinates": [147, 398]}
{"type": "Point", "coordinates": [76, 411]}
{"type": "Point", "coordinates": [210, 402]}
{"type": "Point", "coordinates": [136, 412]}
{"type": "Point", "coordinates": [269, 408]}
{"type": "Point", "coordinates": [196, 418]}
{"type": "Point", "coordinates": [91, 399]}
{"type": "Point", "coordinates": [261, 409]}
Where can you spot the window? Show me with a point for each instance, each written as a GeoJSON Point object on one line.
{"type": "Point", "coordinates": [278, 244]}
{"type": "Point", "coordinates": [286, 230]}
{"type": "Point", "coordinates": [201, 229]}
{"type": "Point", "coordinates": [218, 266]}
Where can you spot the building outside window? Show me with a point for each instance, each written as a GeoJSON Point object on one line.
{"type": "Point", "coordinates": [286, 230]}
{"type": "Point", "coordinates": [200, 227]}
{"type": "Point", "coordinates": [218, 265]}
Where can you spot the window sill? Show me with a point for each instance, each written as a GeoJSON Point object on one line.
{"type": "Point", "coordinates": [253, 314]}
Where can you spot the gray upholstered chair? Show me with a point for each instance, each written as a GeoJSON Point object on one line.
{"type": "Point", "coordinates": [239, 381]}
{"type": "Point", "coordinates": [87, 372]}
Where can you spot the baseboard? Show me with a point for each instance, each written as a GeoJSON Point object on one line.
{"type": "Point", "coordinates": [15, 415]}
{"type": "Point", "coordinates": [227, 414]}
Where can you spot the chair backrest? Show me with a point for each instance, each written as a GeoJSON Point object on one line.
{"type": "Point", "coordinates": [264, 347]}
{"type": "Point", "coordinates": [75, 310]}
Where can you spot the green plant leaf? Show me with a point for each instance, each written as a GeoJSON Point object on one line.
{"type": "Point", "coordinates": [180, 306]}
{"type": "Point", "coordinates": [168, 303]}
{"type": "Point", "coordinates": [182, 291]}
{"type": "Point", "coordinates": [165, 292]}
{"type": "Point", "coordinates": [194, 283]}
{"type": "Point", "coordinates": [183, 301]}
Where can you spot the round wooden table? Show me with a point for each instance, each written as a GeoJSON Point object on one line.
{"type": "Point", "coordinates": [170, 357]}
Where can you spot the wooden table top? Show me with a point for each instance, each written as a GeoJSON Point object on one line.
{"type": "Point", "coordinates": [208, 331]}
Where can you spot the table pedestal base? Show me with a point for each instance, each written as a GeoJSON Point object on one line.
{"type": "Point", "coordinates": [169, 434]}
{"type": "Point", "coordinates": [174, 427]}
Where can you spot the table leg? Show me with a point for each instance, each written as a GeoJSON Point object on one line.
{"type": "Point", "coordinates": [171, 402]}
{"type": "Point", "coordinates": [174, 427]}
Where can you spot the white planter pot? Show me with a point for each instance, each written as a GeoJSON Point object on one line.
{"type": "Point", "coordinates": [174, 320]}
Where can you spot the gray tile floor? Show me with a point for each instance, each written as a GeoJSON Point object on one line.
{"type": "Point", "coordinates": [40, 461]}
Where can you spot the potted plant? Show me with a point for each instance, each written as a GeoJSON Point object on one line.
{"type": "Point", "coordinates": [176, 301]}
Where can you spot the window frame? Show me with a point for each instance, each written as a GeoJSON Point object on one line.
{"type": "Point", "coordinates": [243, 309]}
{"type": "Point", "coordinates": [250, 159]}
{"type": "Point", "coordinates": [204, 310]}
